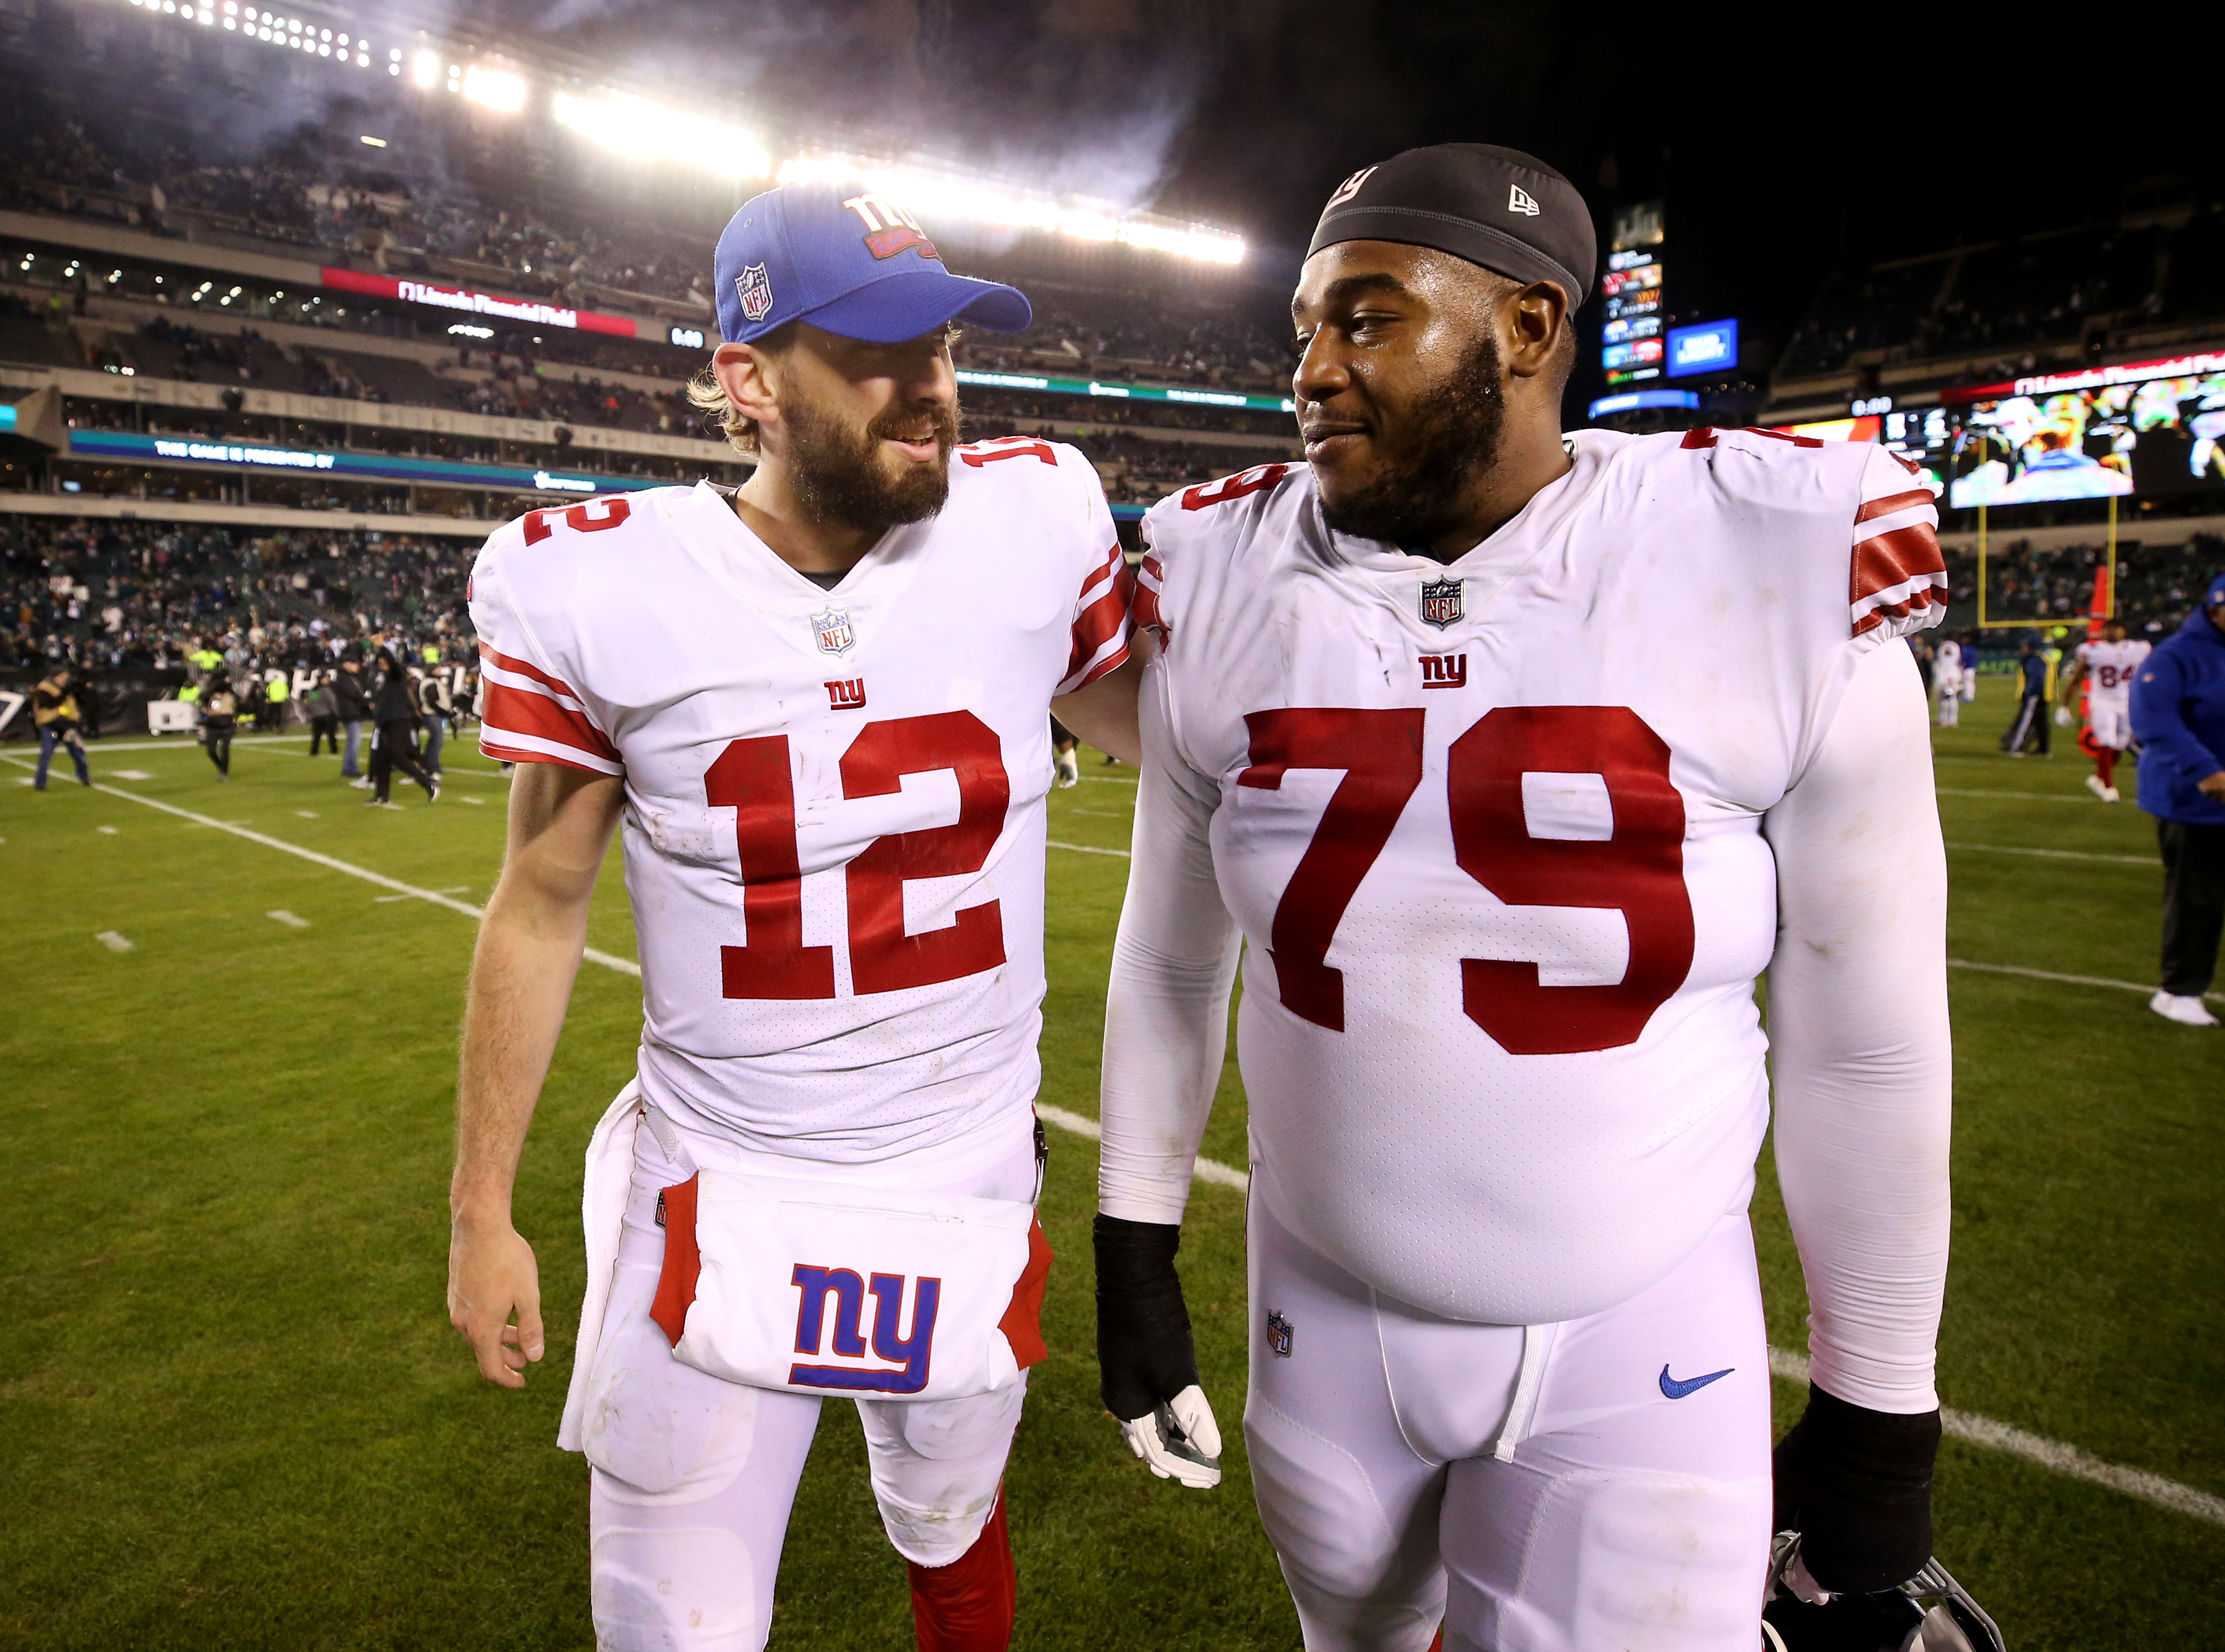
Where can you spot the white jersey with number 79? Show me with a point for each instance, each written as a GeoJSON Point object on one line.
{"type": "Point", "coordinates": [834, 809]}
{"type": "Point", "coordinates": [1492, 833]}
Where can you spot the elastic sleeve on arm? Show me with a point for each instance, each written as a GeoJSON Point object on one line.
{"type": "Point", "coordinates": [1166, 1011]}
{"type": "Point", "coordinates": [1100, 608]}
{"type": "Point", "coordinates": [1897, 582]}
{"type": "Point", "coordinates": [1859, 1041]}
{"type": "Point", "coordinates": [527, 711]}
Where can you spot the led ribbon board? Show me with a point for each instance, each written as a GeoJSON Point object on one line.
{"type": "Point", "coordinates": [530, 312]}
{"type": "Point", "coordinates": [129, 447]}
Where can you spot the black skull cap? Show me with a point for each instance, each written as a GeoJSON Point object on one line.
{"type": "Point", "coordinates": [1497, 207]}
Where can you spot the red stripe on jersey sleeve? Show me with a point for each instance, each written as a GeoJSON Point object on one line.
{"type": "Point", "coordinates": [1872, 508]}
{"type": "Point", "coordinates": [521, 711]}
{"type": "Point", "coordinates": [1891, 559]}
{"type": "Point", "coordinates": [1145, 605]}
{"type": "Point", "coordinates": [493, 746]}
{"type": "Point", "coordinates": [1102, 621]}
{"type": "Point", "coordinates": [526, 669]}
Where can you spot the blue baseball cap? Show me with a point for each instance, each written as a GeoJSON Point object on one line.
{"type": "Point", "coordinates": [2217, 592]}
{"type": "Point", "coordinates": [845, 259]}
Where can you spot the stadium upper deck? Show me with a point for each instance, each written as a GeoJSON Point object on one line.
{"type": "Point", "coordinates": [237, 315]}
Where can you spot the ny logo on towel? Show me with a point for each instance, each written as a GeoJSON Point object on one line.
{"type": "Point", "coordinates": [911, 1354]}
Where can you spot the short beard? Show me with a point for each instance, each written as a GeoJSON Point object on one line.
{"type": "Point", "coordinates": [1456, 424]}
{"type": "Point", "coordinates": [837, 474]}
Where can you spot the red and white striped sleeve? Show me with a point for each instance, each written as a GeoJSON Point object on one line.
{"type": "Point", "coordinates": [1898, 580]}
{"type": "Point", "coordinates": [1100, 610]}
{"type": "Point", "coordinates": [527, 711]}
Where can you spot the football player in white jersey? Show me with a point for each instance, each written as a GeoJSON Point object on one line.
{"type": "Point", "coordinates": [1947, 680]}
{"type": "Point", "coordinates": [2106, 664]}
{"type": "Point", "coordinates": [819, 705]}
{"type": "Point", "coordinates": [1516, 757]}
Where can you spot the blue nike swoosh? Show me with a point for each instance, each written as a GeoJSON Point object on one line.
{"type": "Point", "coordinates": [1676, 1388]}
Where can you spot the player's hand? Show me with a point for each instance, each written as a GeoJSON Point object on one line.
{"type": "Point", "coordinates": [1146, 1361]}
{"type": "Point", "coordinates": [1856, 1485]}
{"type": "Point", "coordinates": [2062, 717]}
{"type": "Point", "coordinates": [494, 1298]}
{"type": "Point", "coordinates": [2213, 785]}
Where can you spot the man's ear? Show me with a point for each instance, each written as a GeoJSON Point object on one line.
{"type": "Point", "coordinates": [749, 378]}
{"type": "Point", "coordinates": [1533, 317]}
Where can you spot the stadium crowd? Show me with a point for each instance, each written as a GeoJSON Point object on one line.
{"type": "Point", "coordinates": [2156, 586]}
{"type": "Point", "coordinates": [136, 596]}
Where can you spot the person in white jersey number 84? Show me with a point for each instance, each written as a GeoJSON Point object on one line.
{"type": "Point", "coordinates": [820, 706]}
{"type": "Point", "coordinates": [1511, 759]}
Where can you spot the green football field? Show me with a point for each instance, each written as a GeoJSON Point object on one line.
{"type": "Point", "coordinates": [234, 1415]}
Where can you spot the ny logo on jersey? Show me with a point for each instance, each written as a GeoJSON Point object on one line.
{"type": "Point", "coordinates": [1441, 602]}
{"type": "Point", "coordinates": [832, 631]}
{"type": "Point", "coordinates": [909, 1355]}
{"type": "Point", "coordinates": [754, 287]}
{"type": "Point", "coordinates": [1444, 671]}
{"type": "Point", "coordinates": [846, 694]}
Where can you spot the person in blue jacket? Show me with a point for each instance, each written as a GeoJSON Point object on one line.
{"type": "Point", "coordinates": [2178, 716]}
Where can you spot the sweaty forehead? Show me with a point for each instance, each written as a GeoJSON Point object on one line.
{"type": "Point", "coordinates": [1348, 271]}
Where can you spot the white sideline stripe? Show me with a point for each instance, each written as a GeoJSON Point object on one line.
{"type": "Point", "coordinates": [2048, 1454]}
{"type": "Point", "coordinates": [608, 961]}
{"type": "Point", "coordinates": [2068, 980]}
{"type": "Point", "coordinates": [1085, 849]}
{"type": "Point", "coordinates": [1982, 1431]}
{"type": "Point", "coordinates": [2019, 797]}
{"type": "Point", "coordinates": [2059, 854]}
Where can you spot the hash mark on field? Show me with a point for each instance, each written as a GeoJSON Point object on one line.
{"type": "Point", "coordinates": [106, 831]}
{"type": "Point", "coordinates": [114, 942]}
{"type": "Point", "coordinates": [476, 802]}
{"type": "Point", "coordinates": [290, 920]}
{"type": "Point", "coordinates": [2058, 854]}
{"type": "Point", "coordinates": [129, 774]}
{"type": "Point", "coordinates": [1087, 849]}
{"type": "Point", "coordinates": [307, 814]}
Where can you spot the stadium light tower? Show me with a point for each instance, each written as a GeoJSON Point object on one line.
{"type": "Point", "coordinates": [636, 127]}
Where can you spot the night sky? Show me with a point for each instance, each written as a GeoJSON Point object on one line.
{"type": "Point", "coordinates": [1785, 141]}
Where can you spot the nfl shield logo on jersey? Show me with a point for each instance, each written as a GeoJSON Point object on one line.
{"type": "Point", "coordinates": [754, 288]}
{"type": "Point", "coordinates": [1278, 1335]}
{"type": "Point", "coordinates": [832, 630]}
{"type": "Point", "coordinates": [1441, 602]}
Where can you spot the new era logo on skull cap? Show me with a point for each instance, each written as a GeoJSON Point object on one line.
{"type": "Point", "coordinates": [1518, 200]}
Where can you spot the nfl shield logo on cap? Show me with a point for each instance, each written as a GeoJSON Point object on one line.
{"type": "Point", "coordinates": [754, 288]}
{"type": "Point", "coordinates": [1441, 602]}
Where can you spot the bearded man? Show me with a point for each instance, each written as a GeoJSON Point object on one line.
{"type": "Point", "coordinates": [1517, 757]}
{"type": "Point", "coordinates": [820, 704]}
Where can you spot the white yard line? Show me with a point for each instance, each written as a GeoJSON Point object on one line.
{"type": "Point", "coordinates": [1085, 849]}
{"type": "Point", "coordinates": [2019, 797]}
{"type": "Point", "coordinates": [1981, 1431]}
{"type": "Point", "coordinates": [2058, 854]}
{"type": "Point", "coordinates": [2048, 1454]}
{"type": "Point", "coordinates": [2067, 980]}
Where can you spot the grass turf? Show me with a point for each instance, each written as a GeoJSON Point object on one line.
{"type": "Point", "coordinates": [235, 1415]}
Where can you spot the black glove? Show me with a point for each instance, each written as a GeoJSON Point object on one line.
{"type": "Point", "coordinates": [1144, 1354]}
{"type": "Point", "coordinates": [1856, 1485]}
{"type": "Point", "coordinates": [1146, 1362]}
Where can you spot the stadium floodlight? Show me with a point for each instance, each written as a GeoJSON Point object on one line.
{"type": "Point", "coordinates": [938, 193]}
{"type": "Point", "coordinates": [648, 131]}
{"type": "Point", "coordinates": [375, 143]}
{"type": "Point", "coordinates": [494, 89]}
{"type": "Point", "coordinates": [425, 69]}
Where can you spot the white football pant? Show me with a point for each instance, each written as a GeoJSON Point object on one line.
{"type": "Point", "coordinates": [1536, 1490]}
{"type": "Point", "coordinates": [1950, 701]}
{"type": "Point", "coordinates": [694, 1476]}
{"type": "Point", "coordinates": [2112, 724]}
